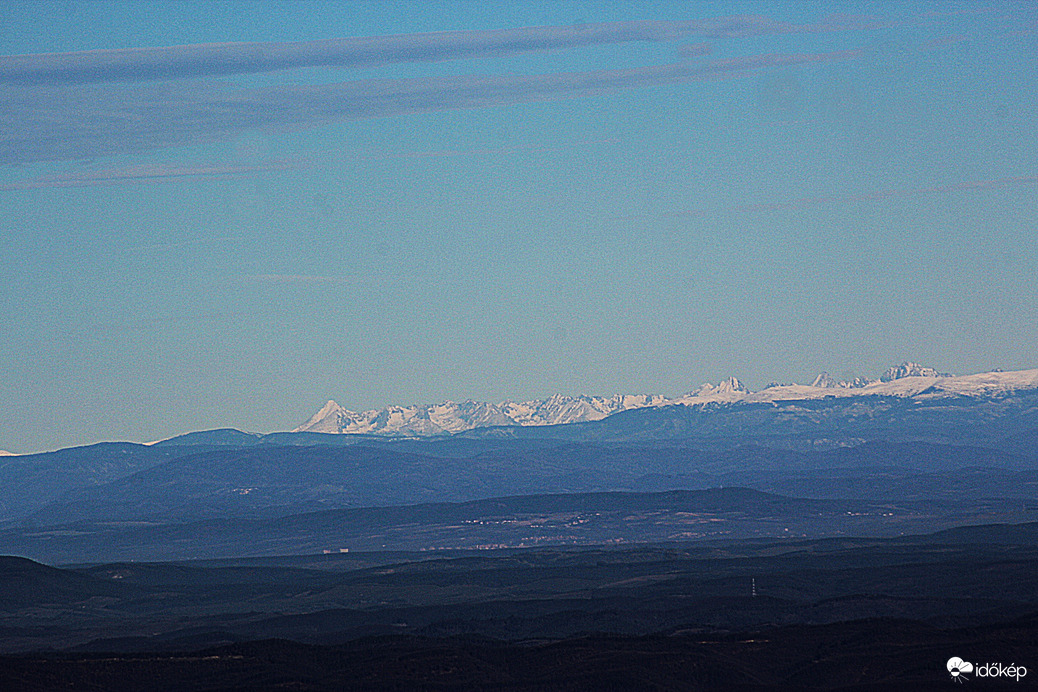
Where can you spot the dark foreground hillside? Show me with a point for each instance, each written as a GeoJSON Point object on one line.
{"type": "Point", "coordinates": [878, 654]}
{"type": "Point", "coordinates": [834, 613]}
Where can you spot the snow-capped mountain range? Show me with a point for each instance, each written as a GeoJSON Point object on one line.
{"type": "Point", "coordinates": [905, 380]}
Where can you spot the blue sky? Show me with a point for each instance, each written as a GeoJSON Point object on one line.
{"type": "Point", "coordinates": [393, 203]}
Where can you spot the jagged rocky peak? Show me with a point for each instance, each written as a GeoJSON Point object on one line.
{"type": "Point", "coordinates": [827, 381]}
{"type": "Point", "coordinates": [731, 385]}
{"type": "Point", "coordinates": [908, 369]}
{"type": "Point", "coordinates": [897, 372]}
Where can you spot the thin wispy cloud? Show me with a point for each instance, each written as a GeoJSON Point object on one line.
{"type": "Point", "coordinates": [89, 104]}
{"type": "Point", "coordinates": [173, 245]}
{"type": "Point", "coordinates": [942, 42]}
{"type": "Point", "coordinates": [224, 59]}
{"type": "Point", "coordinates": [146, 174]}
{"type": "Point", "coordinates": [827, 200]}
{"type": "Point", "coordinates": [221, 59]}
{"type": "Point", "coordinates": [494, 151]}
{"type": "Point", "coordinates": [807, 202]}
{"type": "Point", "coordinates": [299, 279]}
{"type": "Point", "coordinates": [86, 121]}
{"type": "Point", "coordinates": [157, 174]}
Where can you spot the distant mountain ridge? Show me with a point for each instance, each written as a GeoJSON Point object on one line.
{"type": "Point", "coordinates": [421, 420]}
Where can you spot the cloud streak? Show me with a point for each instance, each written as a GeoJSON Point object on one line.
{"type": "Point", "coordinates": [494, 151]}
{"type": "Point", "coordinates": [225, 59]}
{"type": "Point", "coordinates": [300, 279]}
{"type": "Point", "coordinates": [809, 202]}
{"type": "Point", "coordinates": [158, 173]}
{"type": "Point", "coordinates": [145, 174]}
{"type": "Point", "coordinates": [48, 123]}
{"type": "Point", "coordinates": [220, 59]}
{"type": "Point", "coordinates": [942, 42]}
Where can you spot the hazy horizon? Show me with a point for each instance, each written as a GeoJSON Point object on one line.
{"type": "Point", "coordinates": [227, 223]}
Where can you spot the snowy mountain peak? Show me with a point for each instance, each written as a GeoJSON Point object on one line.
{"type": "Point", "coordinates": [908, 380]}
{"type": "Point", "coordinates": [449, 417]}
{"type": "Point", "coordinates": [827, 381]}
{"type": "Point", "coordinates": [730, 385]}
{"type": "Point", "coordinates": [328, 419]}
{"type": "Point", "coordinates": [329, 408]}
{"type": "Point", "coordinates": [908, 369]}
